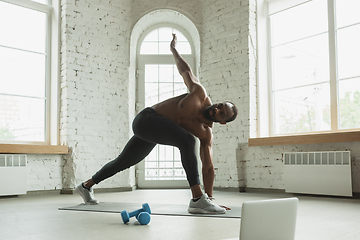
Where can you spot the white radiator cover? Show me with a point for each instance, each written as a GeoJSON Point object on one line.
{"type": "Point", "coordinates": [322, 173]}
{"type": "Point", "coordinates": [13, 174]}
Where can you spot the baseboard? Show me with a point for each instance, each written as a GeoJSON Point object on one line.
{"type": "Point", "coordinates": [261, 190]}
{"type": "Point", "coordinates": [228, 189]}
{"type": "Point", "coordinates": [356, 195]}
{"type": "Point", "coordinates": [109, 190]}
{"type": "Point", "coordinates": [100, 190]}
{"type": "Point", "coordinates": [67, 191]}
{"type": "Point", "coordinates": [35, 193]}
{"type": "Point", "coordinates": [253, 190]}
{"type": "Point", "coordinates": [43, 192]}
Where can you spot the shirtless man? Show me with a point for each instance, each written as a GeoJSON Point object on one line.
{"type": "Point", "coordinates": [174, 122]}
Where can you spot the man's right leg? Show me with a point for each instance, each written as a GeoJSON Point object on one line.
{"type": "Point", "coordinates": [135, 150]}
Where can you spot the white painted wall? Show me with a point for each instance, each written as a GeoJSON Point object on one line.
{"type": "Point", "coordinates": [98, 93]}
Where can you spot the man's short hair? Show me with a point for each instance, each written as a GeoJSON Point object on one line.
{"type": "Point", "coordinates": [235, 110]}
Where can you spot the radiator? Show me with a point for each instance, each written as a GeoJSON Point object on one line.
{"type": "Point", "coordinates": [13, 174]}
{"type": "Point", "coordinates": [322, 173]}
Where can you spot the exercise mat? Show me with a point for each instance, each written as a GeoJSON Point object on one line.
{"type": "Point", "coordinates": [156, 209]}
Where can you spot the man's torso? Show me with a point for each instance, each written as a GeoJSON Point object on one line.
{"type": "Point", "coordinates": [186, 111]}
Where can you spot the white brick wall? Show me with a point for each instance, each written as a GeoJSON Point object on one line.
{"type": "Point", "coordinates": [191, 9]}
{"type": "Point", "coordinates": [94, 87]}
{"type": "Point", "coordinates": [225, 74]}
{"type": "Point", "coordinates": [44, 172]}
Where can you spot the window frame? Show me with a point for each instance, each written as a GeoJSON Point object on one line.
{"type": "Point", "coordinates": [161, 25]}
{"type": "Point", "coordinates": [52, 76]}
{"type": "Point", "coordinates": [265, 114]}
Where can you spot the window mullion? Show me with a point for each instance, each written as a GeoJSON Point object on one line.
{"type": "Point", "coordinates": [333, 65]}
{"type": "Point", "coordinates": [48, 80]}
{"type": "Point", "coordinates": [271, 109]}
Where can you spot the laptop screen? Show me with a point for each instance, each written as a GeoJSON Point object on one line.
{"type": "Point", "coordinates": [269, 219]}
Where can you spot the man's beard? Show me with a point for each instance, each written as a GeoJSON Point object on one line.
{"type": "Point", "coordinates": [209, 113]}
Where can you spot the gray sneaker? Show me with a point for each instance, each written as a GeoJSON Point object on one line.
{"type": "Point", "coordinates": [205, 205]}
{"type": "Point", "coordinates": [87, 195]}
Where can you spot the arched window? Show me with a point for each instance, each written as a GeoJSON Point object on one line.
{"type": "Point", "coordinates": [157, 42]}
{"type": "Point", "coordinates": [158, 80]}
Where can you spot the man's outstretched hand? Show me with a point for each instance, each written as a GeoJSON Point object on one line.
{"type": "Point", "coordinates": [226, 208]}
{"type": "Point", "coordinates": [173, 42]}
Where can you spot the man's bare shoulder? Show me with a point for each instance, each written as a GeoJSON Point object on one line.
{"type": "Point", "coordinates": [200, 91]}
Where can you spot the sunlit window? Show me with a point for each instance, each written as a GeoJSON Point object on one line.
{"type": "Point", "coordinates": [157, 42]}
{"type": "Point", "coordinates": [23, 72]}
{"type": "Point", "coordinates": [348, 39]}
{"type": "Point", "coordinates": [315, 77]}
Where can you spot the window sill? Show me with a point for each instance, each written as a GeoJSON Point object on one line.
{"type": "Point", "coordinates": [306, 139]}
{"type": "Point", "coordinates": [33, 149]}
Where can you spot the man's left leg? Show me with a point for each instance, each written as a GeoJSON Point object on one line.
{"type": "Point", "coordinates": [135, 151]}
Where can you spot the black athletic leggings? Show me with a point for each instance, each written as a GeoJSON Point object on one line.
{"type": "Point", "coordinates": [150, 129]}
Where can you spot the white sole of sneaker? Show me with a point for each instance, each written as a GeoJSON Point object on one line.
{"type": "Point", "coordinates": [91, 203]}
{"type": "Point", "coordinates": [202, 211]}
{"type": "Point", "coordinates": [81, 194]}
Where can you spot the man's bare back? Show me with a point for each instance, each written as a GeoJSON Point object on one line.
{"type": "Point", "coordinates": [186, 111]}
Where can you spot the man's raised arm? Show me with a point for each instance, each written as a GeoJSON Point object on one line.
{"type": "Point", "coordinates": [183, 67]}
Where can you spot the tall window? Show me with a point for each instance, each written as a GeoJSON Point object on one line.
{"type": "Point", "coordinates": [24, 70]}
{"type": "Point", "coordinates": [160, 80]}
{"type": "Point", "coordinates": [313, 71]}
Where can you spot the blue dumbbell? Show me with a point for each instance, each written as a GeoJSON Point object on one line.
{"type": "Point", "coordinates": [142, 215]}
{"type": "Point", "coordinates": [143, 218]}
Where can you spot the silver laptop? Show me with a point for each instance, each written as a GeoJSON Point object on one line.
{"type": "Point", "coordinates": [273, 219]}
